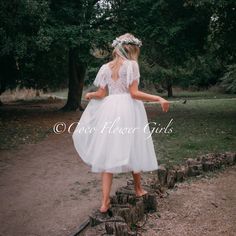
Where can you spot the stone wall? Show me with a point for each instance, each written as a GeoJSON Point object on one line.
{"type": "Point", "coordinates": [127, 209]}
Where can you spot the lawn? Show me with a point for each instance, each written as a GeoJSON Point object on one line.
{"type": "Point", "coordinates": [198, 126]}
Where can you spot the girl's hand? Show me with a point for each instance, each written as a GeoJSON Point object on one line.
{"type": "Point", "coordinates": [88, 96]}
{"type": "Point", "coordinates": [165, 105]}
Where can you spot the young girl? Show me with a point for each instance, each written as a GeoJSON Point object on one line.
{"type": "Point", "coordinates": [113, 135]}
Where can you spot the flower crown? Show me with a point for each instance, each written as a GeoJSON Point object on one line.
{"type": "Point", "coordinates": [134, 41]}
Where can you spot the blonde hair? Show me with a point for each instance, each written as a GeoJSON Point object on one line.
{"type": "Point", "coordinates": [133, 52]}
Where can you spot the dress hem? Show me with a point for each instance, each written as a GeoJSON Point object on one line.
{"type": "Point", "coordinates": [126, 168]}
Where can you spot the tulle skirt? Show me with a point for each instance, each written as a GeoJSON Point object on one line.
{"type": "Point", "coordinates": [113, 136]}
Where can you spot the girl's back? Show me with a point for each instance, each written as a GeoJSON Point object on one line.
{"type": "Point", "coordinates": [117, 79]}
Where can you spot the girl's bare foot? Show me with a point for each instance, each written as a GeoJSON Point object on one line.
{"type": "Point", "coordinates": [105, 206]}
{"type": "Point", "coordinates": [140, 192]}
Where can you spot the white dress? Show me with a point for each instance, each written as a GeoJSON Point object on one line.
{"type": "Point", "coordinates": [112, 134]}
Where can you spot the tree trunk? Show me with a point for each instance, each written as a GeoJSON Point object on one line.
{"type": "Point", "coordinates": [9, 74]}
{"type": "Point", "coordinates": [77, 71]}
{"type": "Point", "coordinates": [169, 87]}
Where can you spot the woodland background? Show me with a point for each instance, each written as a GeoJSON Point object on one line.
{"type": "Point", "coordinates": [49, 45]}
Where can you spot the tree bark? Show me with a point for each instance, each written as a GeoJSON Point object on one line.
{"type": "Point", "coordinates": [169, 87]}
{"type": "Point", "coordinates": [77, 70]}
{"type": "Point", "coordinates": [9, 74]}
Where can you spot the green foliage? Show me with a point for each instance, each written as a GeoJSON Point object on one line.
{"type": "Point", "coordinates": [187, 42]}
{"type": "Point", "coordinates": [37, 34]}
{"type": "Point", "coordinates": [201, 72]}
{"type": "Point", "coordinates": [221, 37]}
{"type": "Point", "coordinates": [173, 33]}
{"type": "Point", "coordinates": [228, 81]}
{"type": "Point", "coordinates": [21, 22]}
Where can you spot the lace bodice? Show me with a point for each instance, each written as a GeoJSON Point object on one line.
{"type": "Point", "coordinates": [128, 72]}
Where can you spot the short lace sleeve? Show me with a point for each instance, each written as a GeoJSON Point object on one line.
{"type": "Point", "coordinates": [101, 77]}
{"type": "Point", "coordinates": [132, 72]}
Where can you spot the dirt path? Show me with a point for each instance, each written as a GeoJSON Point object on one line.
{"type": "Point", "coordinates": [202, 207]}
{"type": "Point", "coordinates": [45, 189]}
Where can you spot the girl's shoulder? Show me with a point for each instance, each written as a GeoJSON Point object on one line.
{"type": "Point", "coordinates": [134, 64]}
{"type": "Point", "coordinates": [104, 67]}
{"type": "Point", "coordinates": [131, 61]}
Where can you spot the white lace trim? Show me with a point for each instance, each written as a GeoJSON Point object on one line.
{"type": "Point", "coordinates": [128, 72]}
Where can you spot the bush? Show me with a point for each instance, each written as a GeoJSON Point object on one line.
{"type": "Point", "coordinates": [228, 81]}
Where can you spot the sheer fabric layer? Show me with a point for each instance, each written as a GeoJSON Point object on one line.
{"type": "Point", "coordinates": [111, 147]}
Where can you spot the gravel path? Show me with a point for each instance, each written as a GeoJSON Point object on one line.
{"type": "Point", "coordinates": [201, 207]}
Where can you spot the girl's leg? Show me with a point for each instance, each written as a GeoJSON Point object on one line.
{"type": "Point", "coordinates": [106, 189]}
{"type": "Point", "coordinates": [137, 184]}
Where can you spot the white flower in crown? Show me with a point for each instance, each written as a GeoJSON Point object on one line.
{"type": "Point", "coordinates": [134, 41]}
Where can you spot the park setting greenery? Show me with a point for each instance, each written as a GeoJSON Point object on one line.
{"type": "Point", "coordinates": [52, 44]}
{"type": "Point", "coordinates": [187, 44]}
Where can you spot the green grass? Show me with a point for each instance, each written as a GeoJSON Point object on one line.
{"type": "Point", "coordinates": [204, 94]}
{"type": "Point", "coordinates": [200, 94]}
{"type": "Point", "coordinates": [199, 126]}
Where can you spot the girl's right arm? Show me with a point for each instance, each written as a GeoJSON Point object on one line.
{"type": "Point", "coordinates": [136, 94]}
{"type": "Point", "coordinates": [99, 94]}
